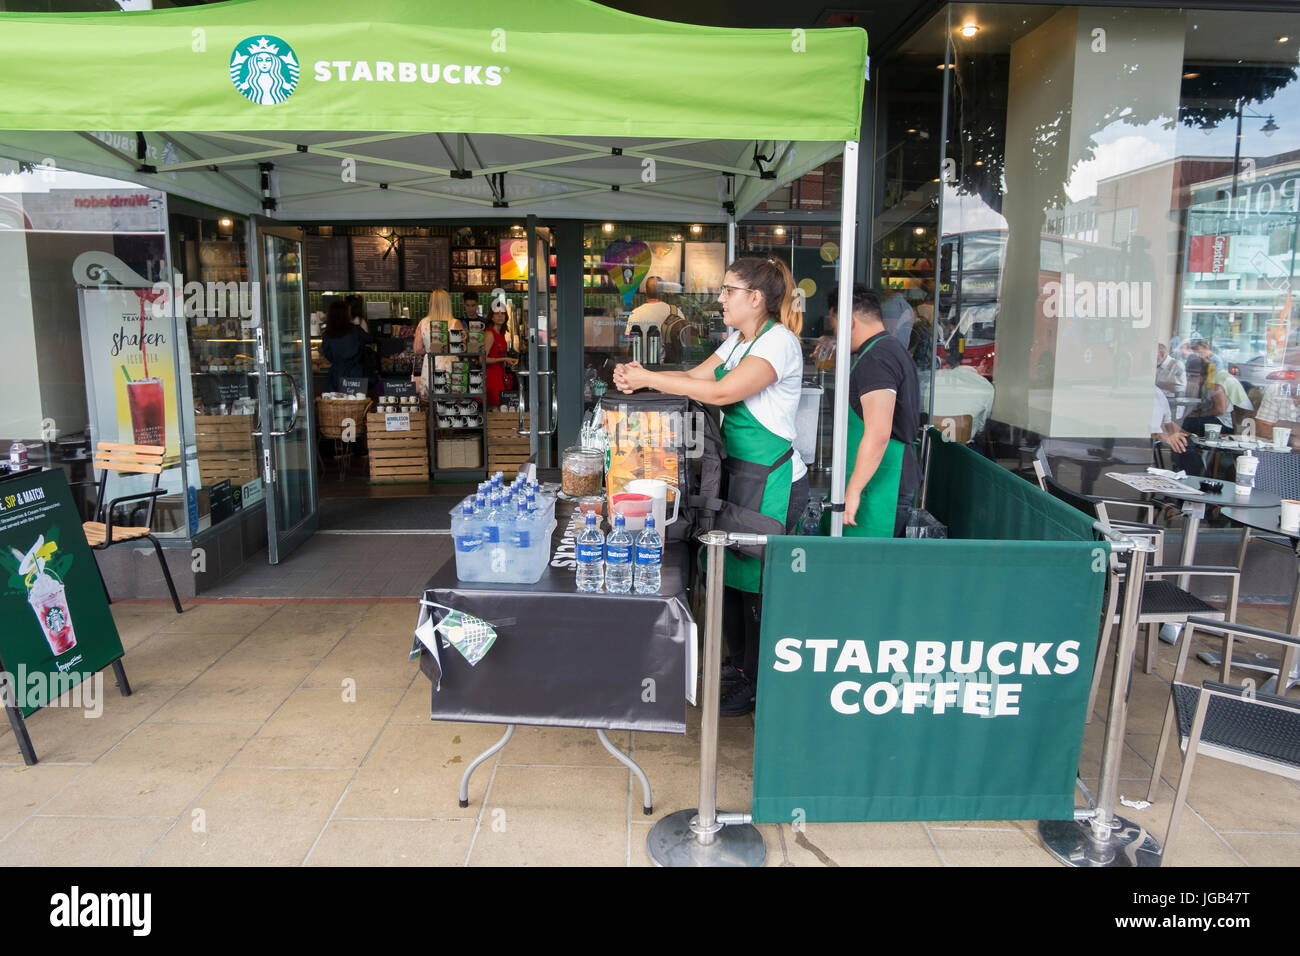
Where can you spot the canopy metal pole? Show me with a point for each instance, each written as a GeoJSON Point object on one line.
{"type": "Point", "coordinates": [843, 339]}
{"type": "Point", "coordinates": [731, 239]}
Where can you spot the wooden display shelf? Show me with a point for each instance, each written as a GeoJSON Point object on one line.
{"type": "Point", "coordinates": [507, 449]}
{"type": "Point", "coordinates": [226, 448]}
{"type": "Point", "coordinates": [398, 456]}
{"type": "Point", "coordinates": [459, 454]}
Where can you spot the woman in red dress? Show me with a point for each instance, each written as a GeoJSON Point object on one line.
{"type": "Point", "coordinates": [496, 341]}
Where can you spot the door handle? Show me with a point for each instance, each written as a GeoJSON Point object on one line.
{"type": "Point", "coordinates": [546, 401]}
{"type": "Point", "coordinates": [523, 393]}
{"type": "Point", "coordinates": [257, 432]}
{"type": "Point", "coordinates": [293, 414]}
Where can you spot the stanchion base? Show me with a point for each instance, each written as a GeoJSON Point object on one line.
{"type": "Point", "coordinates": [672, 842]}
{"type": "Point", "coordinates": [1071, 842]}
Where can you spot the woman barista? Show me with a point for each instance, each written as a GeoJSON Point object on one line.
{"type": "Point", "coordinates": [756, 376]}
{"type": "Point", "coordinates": [884, 419]}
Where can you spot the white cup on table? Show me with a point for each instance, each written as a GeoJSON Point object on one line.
{"type": "Point", "coordinates": [1281, 438]}
{"type": "Point", "coordinates": [1212, 432]}
{"type": "Point", "coordinates": [1290, 514]}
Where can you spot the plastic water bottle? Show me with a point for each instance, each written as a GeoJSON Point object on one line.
{"type": "Point", "coordinates": [469, 541]}
{"type": "Point", "coordinates": [649, 559]}
{"type": "Point", "coordinates": [591, 556]}
{"type": "Point", "coordinates": [618, 558]}
{"type": "Point", "coordinates": [494, 549]}
{"type": "Point", "coordinates": [521, 527]}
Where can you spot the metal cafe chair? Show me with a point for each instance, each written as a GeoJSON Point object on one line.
{"type": "Point", "coordinates": [102, 533]}
{"type": "Point", "coordinates": [1163, 601]}
{"type": "Point", "coordinates": [1043, 471]}
{"type": "Point", "coordinates": [1229, 723]}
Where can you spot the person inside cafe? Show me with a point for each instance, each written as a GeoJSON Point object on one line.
{"type": "Point", "coordinates": [885, 402]}
{"type": "Point", "coordinates": [440, 312]}
{"type": "Point", "coordinates": [341, 345]}
{"type": "Point", "coordinates": [497, 343]}
{"type": "Point", "coordinates": [1171, 374]}
{"type": "Point", "coordinates": [1222, 395]}
{"type": "Point", "coordinates": [1165, 429]}
{"type": "Point", "coordinates": [653, 312]}
{"type": "Point", "coordinates": [471, 308]}
{"type": "Point", "coordinates": [756, 376]}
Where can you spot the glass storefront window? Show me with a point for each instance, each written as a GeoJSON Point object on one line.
{"type": "Point", "coordinates": [639, 276]}
{"type": "Point", "coordinates": [1113, 181]}
{"type": "Point", "coordinates": [90, 351]}
{"type": "Point", "coordinates": [216, 307]}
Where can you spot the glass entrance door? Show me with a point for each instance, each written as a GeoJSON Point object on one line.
{"type": "Point", "coordinates": [287, 429]}
{"type": "Point", "coordinates": [538, 383]}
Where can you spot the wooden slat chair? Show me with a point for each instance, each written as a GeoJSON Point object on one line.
{"type": "Point", "coordinates": [102, 533]}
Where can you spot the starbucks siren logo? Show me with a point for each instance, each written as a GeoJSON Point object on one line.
{"type": "Point", "coordinates": [264, 69]}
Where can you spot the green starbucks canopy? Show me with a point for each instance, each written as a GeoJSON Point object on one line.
{"type": "Point", "coordinates": [432, 108]}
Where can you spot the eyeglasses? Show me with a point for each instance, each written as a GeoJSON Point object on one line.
{"type": "Point", "coordinates": [728, 289]}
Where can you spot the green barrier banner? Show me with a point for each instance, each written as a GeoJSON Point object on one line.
{"type": "Point", "coordinates": [58, 630]}
{"type": "Point", "coordinates": [923, 680]}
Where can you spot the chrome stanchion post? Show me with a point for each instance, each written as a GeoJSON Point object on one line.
{"type": "Point", "coordinates": [701, 837]}
{"type": "Point", "coordinates": [1102, 838]}
{"type": "Point", "coordinates": [705, 826]}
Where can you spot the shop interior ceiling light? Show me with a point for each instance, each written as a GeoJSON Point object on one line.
{"type": "Point", "coordinates": [969, 30]}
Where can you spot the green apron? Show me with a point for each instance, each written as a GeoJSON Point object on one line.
{"type": "Point", "coordinates": [878, 506]}
{"type": "Point", "coordinates": [744, 437]}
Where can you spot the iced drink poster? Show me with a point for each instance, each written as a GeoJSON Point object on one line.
{"type": "Point", "coordinates": [132, 367]}
{"type": "Point", "coordinates": [57, 620]}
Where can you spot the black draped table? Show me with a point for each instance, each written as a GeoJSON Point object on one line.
{"type": "Point", "coordinates": [564, 657]}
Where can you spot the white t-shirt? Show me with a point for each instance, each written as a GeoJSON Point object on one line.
{"type": "Point", "coordinates": [1160, 413]}
{"type": "Point", "coordinates": [648, 314]}
{"type": "Point", "coordinates": [775, 407]}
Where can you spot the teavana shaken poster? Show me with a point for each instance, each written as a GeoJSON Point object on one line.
{"type": "Point", "coordinates": [131, 360]}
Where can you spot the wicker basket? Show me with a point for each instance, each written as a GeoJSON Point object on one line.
{"type": "Point", "coordinates": [331, 413]}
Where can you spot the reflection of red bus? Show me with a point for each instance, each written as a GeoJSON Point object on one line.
{"type": "Point", "coordinates": [1084, 305]}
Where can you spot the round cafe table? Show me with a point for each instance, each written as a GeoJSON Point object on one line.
{"type": "Point", "coordinates": [1269, 521]}
{"type": "Point", "coordinates": [1194, 503]}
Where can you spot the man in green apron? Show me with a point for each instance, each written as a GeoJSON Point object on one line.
{"type": "Point", "coordinates": [884, 420]}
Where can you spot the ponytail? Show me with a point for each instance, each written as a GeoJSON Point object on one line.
{"type": "Point", "coordinates": [772, 277]}
{"type": "Point", "coordinates": [791, 301]}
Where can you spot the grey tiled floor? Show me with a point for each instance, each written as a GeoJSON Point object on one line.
{"type": "Point", "coordinates": [344, 566]}
{"type": "Point", "coordinates": [297, 733]}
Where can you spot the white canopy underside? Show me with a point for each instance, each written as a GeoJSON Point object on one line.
{"type": "Point", "coordinates": [390, 176]}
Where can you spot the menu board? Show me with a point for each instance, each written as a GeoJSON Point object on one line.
{"type": "Point", "coordinates": [426, 263]}
{"type": "Point", "coordinates": [327, 263]}
{"type": "Point", "coordinates": [374, 264]}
